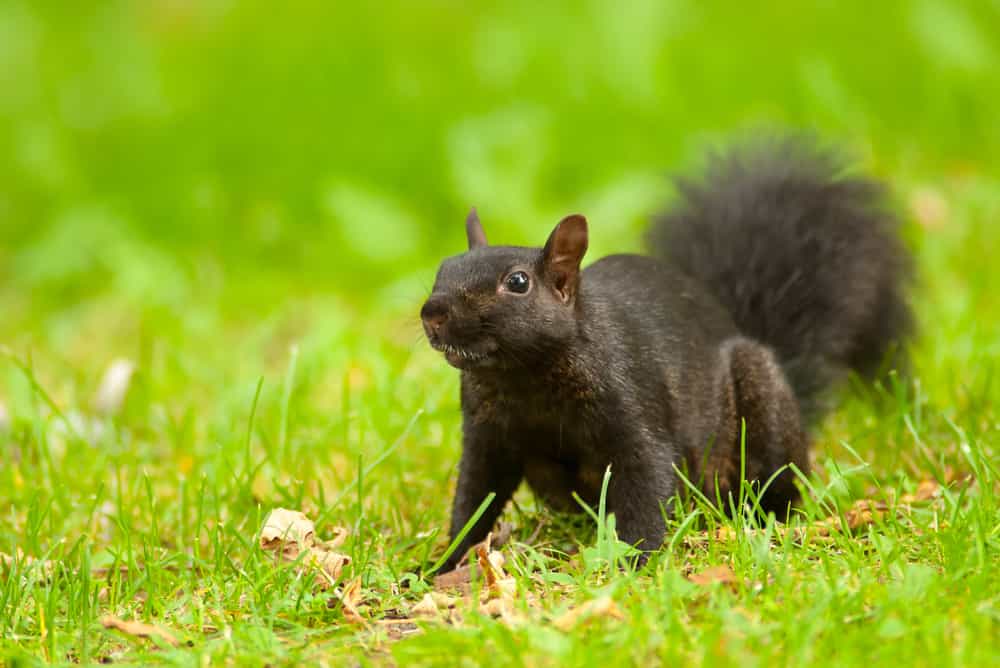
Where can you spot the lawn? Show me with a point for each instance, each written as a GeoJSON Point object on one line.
{"type": "Point", "coordinates": [246, 206]}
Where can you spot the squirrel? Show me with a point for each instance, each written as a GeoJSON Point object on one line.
{"type": "Point", "coordinates": [771, 278]}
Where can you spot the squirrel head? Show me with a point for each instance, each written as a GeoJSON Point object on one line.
{"type": "Point", "coordinates": [506, 306]}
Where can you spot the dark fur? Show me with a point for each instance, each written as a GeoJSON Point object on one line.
{"type": "Point", "coordinates": [779, 276]}
{"type": "Point", "coordinates": [805, 258]}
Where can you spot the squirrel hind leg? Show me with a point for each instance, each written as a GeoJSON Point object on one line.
{"type": "Point", "coordinates": [758, 393]}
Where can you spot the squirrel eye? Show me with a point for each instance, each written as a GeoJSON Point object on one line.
{"type": "Point", "coordinates": [518, 282]}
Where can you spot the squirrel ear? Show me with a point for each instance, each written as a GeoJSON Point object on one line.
{"type": "Point", "coordinates": [563, 253]}
{"type": "Point", "coordinates": [474, 230]}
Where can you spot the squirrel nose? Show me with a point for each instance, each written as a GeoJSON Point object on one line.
{"type": "Point", "coordinates": [434, 314]}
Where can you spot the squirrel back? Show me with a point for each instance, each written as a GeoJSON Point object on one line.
{"type": "Point", "coordinates": [805, 257]}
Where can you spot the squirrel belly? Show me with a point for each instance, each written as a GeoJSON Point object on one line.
{"type": "Point", "coordinates": [773, 277]}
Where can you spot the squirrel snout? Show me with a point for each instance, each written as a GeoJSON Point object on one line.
{"type": "Point", "coordinates": [434, 315]}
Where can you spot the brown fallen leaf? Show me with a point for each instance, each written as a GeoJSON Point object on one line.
{"type": "Point", "coordinates": [496, 598]}
{"type": "Point", "coordinates": [493, 541]}
{"type": "Point", "coordinates": [339, 537]}
{"type": "Point", "coordinates": [350, 599]}
{"type": "Point", "coordinates": [865, 512]}
{"type": "Point", "coordinates": [926, 491]}
{"type": "Point", "coordinates": [7, 562]}
{"type": "Point", "coordinates": [426, 607]}
{"type": "Point", "coordinates": [602, 607]}
{"type": "Point", "coordinates": [725, 534]}
{"type": "Point", "coordinates": [460, 578]}
{"type": "Point", "coordinates": [444, 600]}
{"type": "Point", "coordinates": [498, 583]}
{"type": "Point", "coordinates": [331, 564]}
{"type": "Point", "coordinates": [399, 629]}
{"type": "Point", "coordinates": [456, 579]}
{"type": "Point", "coordinates": [952, 475]}
{"type": "Point", "coordinates": [722, 574]}
{"type": "Point", "coordinates": [492, 569]}
{"type": "Point", "coordinates": [503, 609]}
{"type": "Point", "coordinates": [862, 513]}
{"type": "Point", "coordinates": [139, 630]}
{"type": "Point", "coordinates": [289, 533]}
{"type": "Point", "coordinates": [287, 530]}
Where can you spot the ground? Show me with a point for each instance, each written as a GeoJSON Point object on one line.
{"type": "Point", "coordinates": [247, 210]}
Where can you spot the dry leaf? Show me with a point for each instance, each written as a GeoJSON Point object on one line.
{"type": "Point", "coordinates": [721, 573]}
{"type": "Point", "coordinates": [504, 610]}
{"type": "Point", "coordinates": [114, 386]}
{"type": "Point", "coordinates": [286, 528]}
{"type": "Point", "coordinates": [339, 537]}
{"type": "Point", "coordinates": [352, 593]}
{"type": "Point", "coordinates": [139, 630]}
{"type": "Point", "coordinates": [456, 579]}
{"type": "Point", "coordinates": [290, 533]}
{"type": "Point", "coordinates": [328, 562]}
{"type": "Point", "coordinates": [926, 490]}
{"type": "Point", "coordinates": [398, 629]}
{"type": "Point", "coordinates": [496, 598]}
{"type": "Point", "coordinates": [427, 607]}
{"type": "Point", "coordinates": [862, 513]}
{"type": "Point", "coordinates": [461, 577]}
{"type": "Point", "coordinates": [865, 512]}
{"type": "Point", "coordinates": [489, 567]}
{"type": "Point", "coordinates": [725, 534]}
{"type": "Point", "coordinates": [443, 600]}
{"type": "Point", "coordinates": [493, 541]}
{"type": "Point", "coordinates": [350, 599]}
{"type": "Point", "coordinates": [491, 564]}
{"type": "Point", "coordinates": [7, 561]}
{"type": "Point", "coordinates": [495, 607]}
{"type": "Point", "coordinates": [604, 606]}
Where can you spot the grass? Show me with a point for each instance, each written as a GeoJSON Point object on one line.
{"type": "Point", "coordinates": [250, 208]}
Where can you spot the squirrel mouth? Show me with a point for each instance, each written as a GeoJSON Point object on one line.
{"type": "Point", "coordinates": [461, 358]}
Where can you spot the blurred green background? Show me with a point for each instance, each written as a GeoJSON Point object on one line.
{"type": "Point", "coordinates": [172, 151]}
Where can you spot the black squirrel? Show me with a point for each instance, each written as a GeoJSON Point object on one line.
{"type": "Point", "coordinates": [773, 276]}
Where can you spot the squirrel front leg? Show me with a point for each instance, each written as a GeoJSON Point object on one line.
{"type": "Point", "coordinates": [640, 484]}
{"type": "Point", "coordinates": [486, 466]}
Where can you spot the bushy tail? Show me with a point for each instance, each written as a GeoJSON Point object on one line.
{"type": "Point", "coordinates": [806, 258]}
